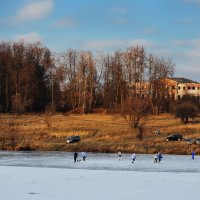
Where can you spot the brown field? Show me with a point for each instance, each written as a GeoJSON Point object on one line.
{"type": "Point", "coordinates": [98, 132]}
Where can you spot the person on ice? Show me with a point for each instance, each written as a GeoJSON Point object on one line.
{"type": "Point", "coordinates": [159, 156]}
{"type": "Point", "coordinates": [133, 157]}
{"type": "Point", "coordinates": [119, 154]}
{"type": "Point", "coordinates": [193, 154]}
{"type": "Point", "coordinates": [84, 155]}
{"type": "Point", "coordinates": [156, 158]}
{"type": "Point", "coordinates": [75, 156]}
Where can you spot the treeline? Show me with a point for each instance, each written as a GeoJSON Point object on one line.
{"type": "Point", "coordinates": [32, 78]}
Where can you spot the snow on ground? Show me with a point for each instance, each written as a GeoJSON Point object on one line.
{"type": "Point", "coordinates": [54, 176]}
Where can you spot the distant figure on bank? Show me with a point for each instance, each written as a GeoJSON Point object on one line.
{"type": "Point", "coordinates": [156, 158]}
{"type": "Point", "coordinates": [119, 154]}
{"type": "Point", "coordinates": [157, 132]}
{"type": "Point", "coordinates": [84, 155]}
{"type": "Point", "coordinates": [75, 156]}
{"type": "Point", "coordinates": [159, 156]}
{"type": "Point", "coordinates": [133, 157]}
{"type": "Point", "coordinates": [193, 154]}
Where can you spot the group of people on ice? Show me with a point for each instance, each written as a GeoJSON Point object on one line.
{"type": "Point", "coordinates": [119, 154]}
{"type": "Point", "coordinates": [133, 156]}
{"type": "Point", "coordinates": [83, 156]}
{"type": "Point", "coordinates": [157, 158]}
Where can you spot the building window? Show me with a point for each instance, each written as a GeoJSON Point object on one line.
{"type": "Point", "coordinates": [193, 88]}
{"type": "Point", "coordinates": [198, 88]}
{"type": "Point", "coordinates": [179, 88]}
{"type": "Point", "coordinates": [183, 88]}
{"type": "Point", "coordinates": [188, 88]}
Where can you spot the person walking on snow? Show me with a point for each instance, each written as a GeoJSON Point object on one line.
{"type": "Point", "coordinates": [75, 157]}
{"type": "Point", "coordinates": [84, 155]}
{"type": "Point", "coordinates": [156, 158]}
{"type": "Point", "coordinates": [133, 157]}
{"type": "Point", "coordinates": [159, 156]}
{"type": "Point", "coordinates": [193, 154]}
{"type": "Point", "coordinates": [119, 155]}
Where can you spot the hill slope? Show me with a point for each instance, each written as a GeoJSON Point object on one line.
{"type": "Point", "coordinates": [98, 132]}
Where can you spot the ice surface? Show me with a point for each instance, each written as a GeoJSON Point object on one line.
{"type": "Point", "coordinates": [54, 176]}
{"type": "Point", "coordinates": [170, 163]}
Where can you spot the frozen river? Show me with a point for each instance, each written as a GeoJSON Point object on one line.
{"type": "Point", "coordinates": [53, 175]}
{"type": "Point", "coordinates": [100, 161]}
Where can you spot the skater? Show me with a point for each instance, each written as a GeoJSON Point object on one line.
{"type": "Point", "coordinates": [156, 158]}
{"type": "Point", "coordinates": [119, 155]}
{"type": "Point", "coordinates": [193, 154]}
{"type": "Point", "coordinates": [133, 157]}
{"type": "Point", "coordinates": [84, 155]}
{"type": "Point", "coordinates": [159, 156]}
{"type": "Point", "coordinates": [75, 156]}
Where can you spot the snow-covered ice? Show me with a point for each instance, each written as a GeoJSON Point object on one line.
{"type": "Point", "coordinates": [54, 176]}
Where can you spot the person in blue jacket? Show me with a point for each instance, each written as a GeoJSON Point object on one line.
{"type": "Point", "coordinates": [193, 154]}
{"type": "Point", "coordinates": [159, 156]}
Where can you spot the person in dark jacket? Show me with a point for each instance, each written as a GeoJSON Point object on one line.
{"type": "Point", "coordinates": [159, 156]}
{"type": "Point", "coordinates": [75, 156]}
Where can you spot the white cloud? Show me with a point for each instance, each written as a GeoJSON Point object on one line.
{"type": "Point", "coordinates": [188, 62]}
{"type": "Point", "coordinates": [34, 10]}
{"type": "Point", "coordinates": [29, 37]}
{"type": "Point", "coordinates": [193, 55]}
{"type": "Point", "coordinates": [65, 22]}
{"type": "Point", "coordinates": [193, 42]}
{"type": "Point", "coordinates": [115, 44]}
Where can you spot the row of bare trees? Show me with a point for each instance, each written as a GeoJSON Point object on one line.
{"type": "Point", "coordinates": [23, 76]}
{"type": "Point", "coordinates": [135, 74]}
{"type": "Point", "coordinates": [31, 78]}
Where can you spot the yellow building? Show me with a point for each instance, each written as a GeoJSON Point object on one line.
{"type": "Point", "coordinates": [179, 87]}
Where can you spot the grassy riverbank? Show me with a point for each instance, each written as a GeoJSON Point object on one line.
{"type": "Point", "coordinates": [98, 132]}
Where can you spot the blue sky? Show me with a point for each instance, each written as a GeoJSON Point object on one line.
{"type": "Point", "coordinates": [168, 28]}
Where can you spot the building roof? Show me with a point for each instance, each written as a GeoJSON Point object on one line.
{"type": "Point", "coordinates": [183, 80]}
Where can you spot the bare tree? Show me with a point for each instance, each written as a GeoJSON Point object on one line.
{"type": "Point", "coordinates": [158, 69]}
{"type": "Point", "coordinates": [135, 109]}
{"type": "Point", "coordinates": [114, 82]}
{"type": "Point", "coordinates": [69, 62]}
{"type": "Point", "coordinates": [86, 80]}
{"type": "Point", "coordinates": [134, 67]}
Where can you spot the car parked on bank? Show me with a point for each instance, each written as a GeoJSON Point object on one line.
{"type": "Point", "coordinates": [72, 139]}
{"type": "Point", "coordinates": [189, 141]}
{"type": "Point", "coordinates": [197, 141]}
{"type": "Point", "coordinates": [174, 137]}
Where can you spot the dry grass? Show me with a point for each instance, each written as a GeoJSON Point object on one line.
{"type": "Point", "coordinates": [99, 133]}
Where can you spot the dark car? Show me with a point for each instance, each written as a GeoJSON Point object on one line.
{"type": "Point", "coordinates": [188, 140]}
{"type": "Point", "coordinates": [174, 137]}
{"type": "Point", "coordinates": [72, 139]}
{"type": "Point", "coordinates": [197, 141]}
